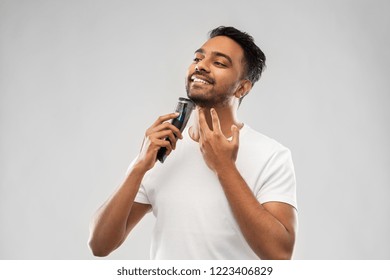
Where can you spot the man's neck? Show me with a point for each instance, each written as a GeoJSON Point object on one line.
{"type": "Point", "coordinates": [227, 117]}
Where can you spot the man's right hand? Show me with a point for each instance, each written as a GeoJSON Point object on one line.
{"type": "Point", "coordinates": [155, 138]}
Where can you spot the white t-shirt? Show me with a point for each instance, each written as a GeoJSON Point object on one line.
{"type": "Point", "coordinates": [193, 217]}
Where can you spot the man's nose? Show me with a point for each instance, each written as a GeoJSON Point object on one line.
{"type": "Point", "coordinates": [202, 66]}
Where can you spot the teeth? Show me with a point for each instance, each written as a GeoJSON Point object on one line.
{"type": "Point", "coordinates": [200, 81]}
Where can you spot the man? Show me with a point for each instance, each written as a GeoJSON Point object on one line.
{"type": "Point", "coordinates": [226, 192]}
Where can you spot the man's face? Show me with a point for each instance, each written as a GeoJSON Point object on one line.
{"type": "Point", "coordinates": [216, 72]}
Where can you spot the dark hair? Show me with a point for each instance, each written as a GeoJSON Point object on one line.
{"type": "Point", "coordinates": [253, 55]}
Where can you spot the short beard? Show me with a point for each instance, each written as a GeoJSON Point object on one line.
{"type": "Point", "coordinates": [204, 102]}
{"type": "Point", "coordinates": [201, 102]}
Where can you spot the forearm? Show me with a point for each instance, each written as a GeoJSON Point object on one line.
{"type": "Point", "coordinates": [108, 227]}
{"type": "Point", "coordinates": [265, 234]}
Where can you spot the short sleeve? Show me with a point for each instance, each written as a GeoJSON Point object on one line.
{"type": "Point", "coordinates": [141, 196]}
{"type": "Point", "coordinates": [278, 182]}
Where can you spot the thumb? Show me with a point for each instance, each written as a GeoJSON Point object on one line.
{"type": "Point", "coordinates": [236, 134]}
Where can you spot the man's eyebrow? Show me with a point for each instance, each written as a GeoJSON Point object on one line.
{"type": "Point", "coordinates": [216, 54]}
{"type": "Point", "coordinates": [199, 51]}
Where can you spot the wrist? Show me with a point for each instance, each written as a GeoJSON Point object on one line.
{"type": "Point", "coordinates": [140, 167]}
{"type": "Point", "coordinates": [225, 169]}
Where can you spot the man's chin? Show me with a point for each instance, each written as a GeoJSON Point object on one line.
{"type": "Point", "coordinates": [201, 101]}
{"type": "Point", "coordinates": [196, 96]}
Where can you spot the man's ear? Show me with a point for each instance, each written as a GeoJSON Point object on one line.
{"type": "Point", "coordinates": [243, 89]}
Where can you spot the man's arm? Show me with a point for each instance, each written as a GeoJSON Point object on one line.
{"type": "Point", "coordinates": [110, 225]}
{"type": "Point", "coordinates": [119, 214]}
{"type": "Point", "coordinates": [270, 228]}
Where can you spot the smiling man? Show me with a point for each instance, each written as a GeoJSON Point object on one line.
{"type": "Point", "coordinates": [227, 191]}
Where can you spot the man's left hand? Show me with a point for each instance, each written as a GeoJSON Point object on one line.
{"type": "Point", "coordinates": [218, 152]}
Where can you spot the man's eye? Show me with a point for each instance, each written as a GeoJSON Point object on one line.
{"type": "Point", "coordinates": [219, 64]}
{"type": "Point", "coordinates": [196, 59]}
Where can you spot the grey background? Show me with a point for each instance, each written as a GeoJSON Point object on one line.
{"type": "Point", "coordinates": [80, 81]}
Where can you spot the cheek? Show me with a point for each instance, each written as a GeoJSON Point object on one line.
{"type": "Point", "coordinates": [190, 69]}
{"type": "Point", "coordinates": [228, 83]}
{"type": "Point", "coordinates": [187, 74]}
{"type": "Point", "coordinates": [227, 78]}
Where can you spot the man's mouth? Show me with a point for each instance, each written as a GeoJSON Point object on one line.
{"type": "Point", "coordinates": [201, 79]}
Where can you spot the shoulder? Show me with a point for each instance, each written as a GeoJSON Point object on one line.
{"type": "Point", "coordinates": [257, 142]}
{"type": "Point", "coordinates": [270, 164]}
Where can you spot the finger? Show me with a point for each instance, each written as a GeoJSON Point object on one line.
{"type": "Point", "coordinates": [215, 120]}
{"type": "Point", "coordinates": [175, 130]}
{"type": "Point", "coordinates": [236, 135]}
{"type": "Point", "coordinates": [162, 135]}
{"type": "Point", "coordinates": [158, 143]}
{"type": "Point", "coordinates": [172, 139]}
{"type": "Point", "coordinates": [203, 126]}
{"type": "Point", "coordinates": [164, 118]}
{"type": "Point", "coordinates": [166, 126]}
